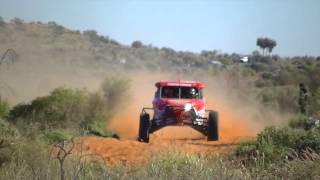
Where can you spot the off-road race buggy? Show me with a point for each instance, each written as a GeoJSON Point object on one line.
{"type": "Point", "coordinates": [179, 103]}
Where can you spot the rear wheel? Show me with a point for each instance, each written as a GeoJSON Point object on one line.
{"type": "Point", "coordinates": [213, 131]}
{"type": "Point", "coordinates": [144, 128]}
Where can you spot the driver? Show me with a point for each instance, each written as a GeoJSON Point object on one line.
{"type": "Point", "coordinates": [193, 93]}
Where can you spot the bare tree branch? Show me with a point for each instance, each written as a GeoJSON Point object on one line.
{"type": "Point", "coordinates": [62, 154]}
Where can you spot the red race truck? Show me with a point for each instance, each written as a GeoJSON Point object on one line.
{"type": "Point", "coordinates": [179, 103]}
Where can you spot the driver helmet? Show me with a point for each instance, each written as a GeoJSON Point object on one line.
{"type": "Point", "coordinates": [193, 91]}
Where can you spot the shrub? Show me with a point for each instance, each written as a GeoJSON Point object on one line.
{"type": "Point", "coordinates": [280, 98]}
{"type": "Point", "coordinates": [259, 67]}
{"type": "Point", "coordinates": [276, 144]}
{"type": "Point", "coordinates": [8, 137]}
{"type": "Point", "coordinates": [96, 109]}
{"type": "Point", "coordinates": [66, 110]}
{"type": "Point", "coordinates": [63, 108]}
{"type": "Point", "coordinates": [300, 121]}
{"type": "Point", "coordinates": [99, 130]}
{"type": "Point", "coordinates": [76, 110]}
{"type": "Point", "coordinates": [116, 91]}
{"type": "Point", "coordinates": [136, 44]}
{"type": "Point", "coordinates": [315, 103]}
{"type": "Point", "coordinates": [57, 135]}
{"type": "Point", "coordinates": [247, 148]}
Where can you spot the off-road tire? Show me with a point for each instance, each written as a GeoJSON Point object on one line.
{"type": "Point", "coordinates": [213, 126]}
{"type": "Point", "coordinates": [144, 128]}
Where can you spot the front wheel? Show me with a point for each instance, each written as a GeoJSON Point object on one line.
{"type": "Point", "coordinates": [144, 128]}
{"type": "Point", "coordinates": [213, 131]}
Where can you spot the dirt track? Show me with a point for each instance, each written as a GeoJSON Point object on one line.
{"type": "Point", "coordinates": [132, 152]}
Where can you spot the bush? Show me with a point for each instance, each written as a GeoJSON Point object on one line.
{"type": "Point", "coordinates": [247, 148]}
{"type": "Point", "coordinates": [63, 108]}
{"type": "Point", "coordinates": [259, 67]}
{"type": "Point", "coordinates": [8, 137]}
{"type": "Point", "coordinates": [99, 130]}
{"type": "Point", "coordinates": [136, 44]}
{"type": "Point", "coordinates": [280, 98]}
{"type": "Point", "coordinates": [300, 121]}
{"type": "Point", "coordinates": [57, 135]}
{"type": "Point", "coordinates": [276, 144]}
{"type": "Point", "coordinates": [115, 91]}
{"type": "Point", "coordinates": [67, 110]}
{"type": "Point", "coordinates": [315, 103]}
{"type": "Point", "coordinates": [97, 109]}
{"type": "Point", "coordinates": [76, 110]}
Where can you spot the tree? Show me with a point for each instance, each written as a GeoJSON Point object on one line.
{"type": "Point", "coordinates": [266, 43]}
{"type": "Point", "coordinates": [271, 44]}
{"type": "Point", "coordinates": [261, 44]}
{"type": "Point", "coordinates": [63, 152]}
{"type": "Point", "coordinates": [136, 44]}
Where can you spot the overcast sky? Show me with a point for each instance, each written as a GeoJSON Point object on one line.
{"type": "Point", "coordinates": [193, 25]}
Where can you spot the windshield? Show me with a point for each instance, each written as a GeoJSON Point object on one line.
{"type": "Point", "coordinates": [170, 92]}
{"type": "Point", "coordinates": [177, 92]}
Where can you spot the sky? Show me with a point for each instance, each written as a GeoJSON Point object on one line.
{"type": "Point", "coordinates": [187, 25]}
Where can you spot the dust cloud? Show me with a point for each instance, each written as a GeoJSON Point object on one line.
{"type": "Point", "coordinates": [240, 116]}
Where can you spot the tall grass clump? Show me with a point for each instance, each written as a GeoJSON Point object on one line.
{"type": "Point", "coordinates": [30, 161]}
{"type": "Point", "coordinates": [177, 165]}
